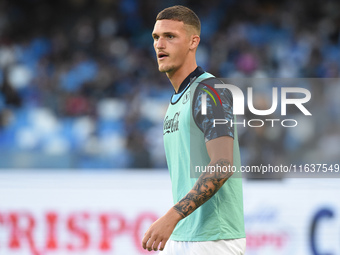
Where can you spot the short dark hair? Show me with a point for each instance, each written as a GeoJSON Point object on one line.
{"type": "Point", "coordinates": [181, 13]}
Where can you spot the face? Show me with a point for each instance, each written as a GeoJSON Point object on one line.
{"type": "Point", "coordinates": [172, 44]}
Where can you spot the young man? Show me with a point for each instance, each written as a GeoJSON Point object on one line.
{"type": "Point", "coordinates": [207, 217]}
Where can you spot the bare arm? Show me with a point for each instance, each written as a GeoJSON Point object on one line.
{"type": "Point", "coordinates": [220, 151]}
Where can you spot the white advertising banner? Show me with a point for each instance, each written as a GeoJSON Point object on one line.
{"type": "Point", "coordinates": [292, 217]}
{"type": "Point", "coordinates": [101, 212]}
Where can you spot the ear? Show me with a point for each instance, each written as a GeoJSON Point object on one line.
{"type": "Point", "coordinates": [195, 40]}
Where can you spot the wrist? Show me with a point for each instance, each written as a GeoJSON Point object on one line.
{"type": "Point", "coordinates": [175, 214]}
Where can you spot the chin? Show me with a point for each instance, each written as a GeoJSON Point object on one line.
{"type": "Point", "coordinates": [166, 69]}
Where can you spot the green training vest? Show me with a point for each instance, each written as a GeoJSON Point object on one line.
{"type": "Point", "coordinates": [221, 217]}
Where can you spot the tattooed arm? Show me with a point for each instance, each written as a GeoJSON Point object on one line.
{"type": "Point", "coordinates": [205, 187]}
{"type": "Point", "coordinates": [220, 151]}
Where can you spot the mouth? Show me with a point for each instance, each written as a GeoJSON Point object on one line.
{"type": "Point", "coordinates": [162, 55]}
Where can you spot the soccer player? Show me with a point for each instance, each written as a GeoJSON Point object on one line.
{"type": "Point", "coordinates": [207, 216]}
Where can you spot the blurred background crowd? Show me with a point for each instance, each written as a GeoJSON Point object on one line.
{"type": "Point", "coordinates": [80, 87]}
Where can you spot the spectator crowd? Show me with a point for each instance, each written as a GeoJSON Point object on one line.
{"type": "Point", "coordinates": [80, 87]}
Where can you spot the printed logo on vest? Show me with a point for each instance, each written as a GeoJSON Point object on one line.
{"type": "Point", "coordinates": [186, 98]}
{"type": "Point", "coordinates": [171, 125]}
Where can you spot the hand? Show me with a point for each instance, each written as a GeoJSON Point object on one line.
{"type": "Point", "coordinates": [159, 232]}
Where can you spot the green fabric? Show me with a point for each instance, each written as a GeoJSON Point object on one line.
{"type": "Point", "coordinates": [221, 217]}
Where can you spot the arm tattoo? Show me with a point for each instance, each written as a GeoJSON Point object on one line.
{"type": "Point", "coordinates": [205, 187]}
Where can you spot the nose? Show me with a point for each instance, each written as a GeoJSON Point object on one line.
{"type": "Point", "coordinates": [160, 43]}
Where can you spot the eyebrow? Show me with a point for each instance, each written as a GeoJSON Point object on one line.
{"type": "Point", "coordinates": [165, 33]}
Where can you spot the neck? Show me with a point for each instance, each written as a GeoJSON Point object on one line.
{"type": "Point", "coordinates": [177, 77]}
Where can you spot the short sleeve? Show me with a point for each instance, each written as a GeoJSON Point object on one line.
{"type": "Point", "coordinates": [219, 106]}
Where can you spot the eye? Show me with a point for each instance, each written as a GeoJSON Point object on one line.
{"type": "Point", "coordinates": [155, 37]}
{"type": "Point", "coordinates": [170, 36]}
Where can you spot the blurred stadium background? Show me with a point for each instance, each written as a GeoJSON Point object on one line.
{"type": "Point", "coordinates": [80, 89]}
